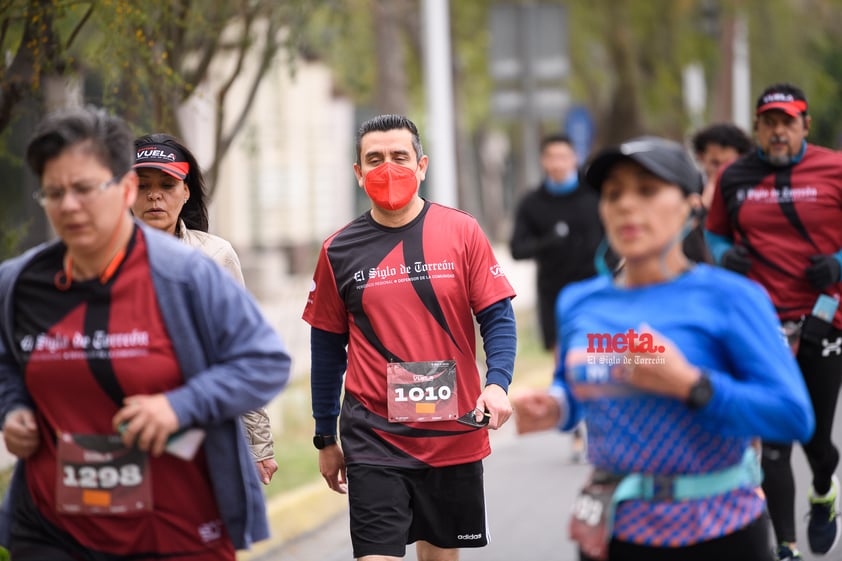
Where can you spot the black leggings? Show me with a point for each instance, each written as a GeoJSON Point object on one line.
{"type": "Point", "coordinates": [822, 375]}
{"type": "Point", "coordinates": [748, 544]}
{"type": "Point", "coordinates": [34, 538]}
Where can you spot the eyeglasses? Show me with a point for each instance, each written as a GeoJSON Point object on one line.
{"type": "Point", "coordinates": [82, 192]}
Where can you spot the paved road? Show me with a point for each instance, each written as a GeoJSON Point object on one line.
{"type": "Point", "coordinates": [529, 487]}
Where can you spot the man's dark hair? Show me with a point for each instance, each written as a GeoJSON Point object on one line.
{"type": "Point", "coordinates": [554, 138]}
{"type": "Point", "coordinates": [108, 138]}
{"type": "Point", "coordinates": [723, 134]}
{"type": "Point", "coordinates": [195, 210]}
{"type": "Point", "coordinates": [385, 123]}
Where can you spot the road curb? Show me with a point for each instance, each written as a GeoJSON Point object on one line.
{"type": "Point", "coordinates": [295, 513]}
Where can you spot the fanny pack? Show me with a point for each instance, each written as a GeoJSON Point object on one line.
{"type": "Point", "coordinates": [592, 527]}
{"type": "Point", "coordinates": [747, 473]}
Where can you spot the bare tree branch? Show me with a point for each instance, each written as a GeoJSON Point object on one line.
{"type": "Point", "coordinates": [175, 33]}
{"type": "Point", "coordinates": [269, 50]}
{"type": "Point", "coordinates": [79, 27]}
{"type": "Point", "coordinates": [221, 96]}
{"type": "Point", "coordinates": [198, 74]}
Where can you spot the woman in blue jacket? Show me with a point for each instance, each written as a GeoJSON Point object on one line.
{"type": "Point", "coordinates": [675, 367]}
{"type": "Point", "coordinates": [114, 339]}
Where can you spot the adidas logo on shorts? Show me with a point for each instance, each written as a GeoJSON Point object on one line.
{"type": "Point", "coordinates": [469, 537]}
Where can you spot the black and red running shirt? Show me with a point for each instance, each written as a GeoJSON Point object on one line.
{"type": "Point", "coordinates": [83, 349]}
{"type": "Point", "coordinates": [406, 294]}
{"type": "Point", "coordinates": [783, 215]}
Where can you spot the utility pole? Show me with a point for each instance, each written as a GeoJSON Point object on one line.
{"type": "Point", "coordinates": [529, 66]}
{"type": "Point", "coordinates": [741, 75]}
{"type": "Point", "coordinates": [438, 82]}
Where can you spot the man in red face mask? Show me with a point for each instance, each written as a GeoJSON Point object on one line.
{"type": "Point", "coordinates": [400, 287]}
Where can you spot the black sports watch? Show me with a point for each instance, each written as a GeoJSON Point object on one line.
{"type": "Point", "coordinates": [701, 393]}
{"type": "Point", "coordinates": [321, 441]}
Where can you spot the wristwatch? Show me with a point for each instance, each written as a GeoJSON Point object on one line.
{"type": "Point", "coordinates": [701, 393]}
{"type": "Point", "coordinates": [321, 441]}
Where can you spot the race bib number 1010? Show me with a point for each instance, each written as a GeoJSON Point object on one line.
{"type": "Point", "coordinates": [422, 391]}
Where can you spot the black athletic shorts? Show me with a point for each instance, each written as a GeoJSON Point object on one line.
{"type": "Point", "coordinates": [391, 507]}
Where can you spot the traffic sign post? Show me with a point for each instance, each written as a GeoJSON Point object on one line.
{"type": "Point", "coordinates": [529, 63]}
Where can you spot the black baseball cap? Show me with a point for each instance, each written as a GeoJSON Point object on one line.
{"type": "Point", "coordinates": [664, 158]}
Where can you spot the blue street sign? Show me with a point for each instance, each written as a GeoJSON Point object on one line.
{"type": "Point", "coordinates": [579, 126]}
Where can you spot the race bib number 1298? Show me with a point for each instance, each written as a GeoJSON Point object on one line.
{"type": "Point", "coordinates": [97, 474]}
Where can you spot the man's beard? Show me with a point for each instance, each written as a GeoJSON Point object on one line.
{"type": "Point", "coordinates": [779, 159]}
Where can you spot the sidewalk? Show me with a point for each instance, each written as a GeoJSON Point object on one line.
{"type": "Point", "coordinates": [295, 513]}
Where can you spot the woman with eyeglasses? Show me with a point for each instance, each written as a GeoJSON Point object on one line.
{"type": "Point", "coordinates": [126, 359]}
{"type": "Point", "coordinates": [172, 198]}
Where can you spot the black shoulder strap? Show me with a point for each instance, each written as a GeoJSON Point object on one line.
{"type": "Point", "coordinates": [734, 201]}
{"type": "Point", "coordinates": [783, 179]}
{"type": "Point", "coordinates": [96, 321]}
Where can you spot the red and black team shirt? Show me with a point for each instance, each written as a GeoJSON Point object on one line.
{"type": "Point", "coordinates": [783, 215]}
{"type": "Point", "coordinates": [83, 350]}
{"type": "Point", "coordinates": [406, 294]}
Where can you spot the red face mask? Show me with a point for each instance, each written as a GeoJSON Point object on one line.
{"type": "Point", "coordinates": [391, 186]}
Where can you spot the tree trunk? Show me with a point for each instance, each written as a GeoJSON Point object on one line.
{"type": "Point", "coordinates": [39, 52]}
{"type": "Point", "coordinates": [623, 118]}
{"type": "Point", "coordinates": [390, 52]}
{"type": "Point", "coordinates": [722, 101]}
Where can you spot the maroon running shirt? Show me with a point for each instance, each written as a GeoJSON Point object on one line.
{"type": "Point", "coordinates": [407, 294]}
{"type": "Point", "coordinates": [784, 215]}
{"type": "Point", "coordinates": [83, 350]}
